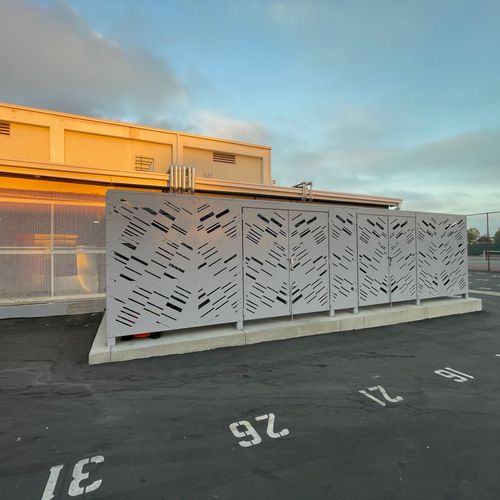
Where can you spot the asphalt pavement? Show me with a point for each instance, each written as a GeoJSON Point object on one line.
{"type": "Point", "coordinates": [280, 420]}
{"type": "Point", "coordinates": [484, 281]}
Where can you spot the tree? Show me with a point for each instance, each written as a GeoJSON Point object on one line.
{"type": "Point", "coordinates": [497, 236]}
{"type": "Point", "coordinates": [485, 239]}
{"type": "Point", "coordinates": [472, 234]}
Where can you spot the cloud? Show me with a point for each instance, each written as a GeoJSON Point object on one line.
{"type": "Point", "coordinates": [219, 125]}
{"type": "Point", "coordinates": [51, 58]}
{"type": "Point", "coordinates": [57, 61]}
{"type": "Point", "coordinates": [455, 174]}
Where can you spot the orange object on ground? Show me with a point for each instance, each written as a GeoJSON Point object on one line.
{"type": "Point", "coordinates": [141, 335]}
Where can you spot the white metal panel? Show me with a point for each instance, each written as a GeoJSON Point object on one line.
{"type": "Point", "coordinates": [218, 261]}
{"type": "Point", "coordinates": [402, 258]}
{"type": "Point", "coordinates": [266, 265]}
{"type": "Point", "coordinates": [176, 261]}
{"type": "Point", "coordinates": [151, 273]}
{"type": "Point", "coordinates": [373, 260]}
{"type": "Point", "coordinates": [309, 264]}
{"type": "Point", "coordinates": [442, 255]}
{"type": "Point", "coordinates": [343, 259]}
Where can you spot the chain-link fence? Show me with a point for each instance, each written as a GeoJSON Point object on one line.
{"type": "Point", "coordinates": [483, 241]}
{"type": "Point", "coordinates": [52, 246]}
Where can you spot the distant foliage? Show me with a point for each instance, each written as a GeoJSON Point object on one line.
{"type": "Point", "coordinates": [472, 234]}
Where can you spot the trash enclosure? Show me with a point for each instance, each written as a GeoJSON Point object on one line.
{"type": "Point", "coordinates": [176, 261]}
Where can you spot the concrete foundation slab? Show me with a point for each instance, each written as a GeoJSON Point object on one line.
{"type": "Point", "coordinates": [202, 339]}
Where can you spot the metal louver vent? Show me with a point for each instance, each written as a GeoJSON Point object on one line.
{"type": "Point", "coordinates": [4, 128]}
{"type": "Point", "coordinates": [224, 158]}
{"type": "Point", "coordinates": [144, 164]}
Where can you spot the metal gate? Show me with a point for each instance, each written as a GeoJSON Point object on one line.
{"type": "Point", "coordinates": [387, 259]}
{"type": "Point", "coordinates": [309, 261]}
{"type": "Point", "coordinates": [285, 262]}
{"type": "Point", "coordinates": [343, 259]}
{"type": "Point", "coordinates": [402, 259]}
{"type": "Point", "coordinates": [373, 255]}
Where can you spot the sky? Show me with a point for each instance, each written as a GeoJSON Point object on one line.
{"type": "Point", "coordinates": [387, 97]}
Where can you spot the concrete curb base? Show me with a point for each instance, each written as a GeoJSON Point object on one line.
{"type": "Point", "coordinates": [203, 339]}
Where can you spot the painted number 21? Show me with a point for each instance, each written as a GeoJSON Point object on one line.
{"type": "Point", "coordinates": [383, 392]}
{"type": "Point", "coordinates": [243, 428]}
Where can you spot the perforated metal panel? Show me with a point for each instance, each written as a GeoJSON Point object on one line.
{"type": "Point", "coordinates": [150, 264]}
{"type": "Point", "coordinates": [373, 260]}
{"type": "Point", "coordinates": [177, 261]}
{"type": "Point", "coordinates": [218, 261]}
{"type": "Point", "coordinates": [267, 268]}
{"type": "Point", "coordinates": [309, 253]}
{"type": "Point", "coordinates": [402, 258]}
{"type": "Point", "coordinates": [442, 255]}
{"type": "Point", "coordinates": [343, 259]}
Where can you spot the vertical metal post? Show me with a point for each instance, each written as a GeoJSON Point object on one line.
{"type": "Point", "coordinates": [488, 240]}
{"type": "Point", "coordinates": [355, 309]}
{"type": "Point", "coordinates": [389, 260]}
{"type": "Point", "coordinates": [290, 265]}
{"type": "Point", "coordinates": [417, 300]}
{"type": "Point", "coordinates": [52, 251]}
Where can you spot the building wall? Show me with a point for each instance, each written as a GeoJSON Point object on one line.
{"type": "Point", "coordinates": [13, 144]}
{"type": "Point", "coordinates": [116, 153]}
{"type": "Point", "coordinates": [47, 136]}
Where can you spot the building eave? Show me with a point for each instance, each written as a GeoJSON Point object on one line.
{"type": "Point", "coordinates": [159, 181]}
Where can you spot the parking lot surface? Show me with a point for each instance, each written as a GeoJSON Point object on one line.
{"type": "Point", "coordinates": [484, 281]}
{"type": "Point", "coordinates": [409, 411]}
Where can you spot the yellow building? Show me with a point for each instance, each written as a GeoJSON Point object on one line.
{"type": "Point", "coordinates": [55, 169]}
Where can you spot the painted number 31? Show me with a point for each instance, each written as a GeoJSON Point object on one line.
{"type": "Point", "coordinates": [243, 428]}
{"type": "Point", "coordinates": [79, 476]}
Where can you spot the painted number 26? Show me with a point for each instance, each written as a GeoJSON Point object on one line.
{"type": "Point", "coordinates": [243, 428]}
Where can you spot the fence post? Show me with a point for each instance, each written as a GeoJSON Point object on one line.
{"type": "Point", "coordinates": [488, 240]}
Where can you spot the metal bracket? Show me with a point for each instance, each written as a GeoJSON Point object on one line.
{"type": "Point", "coordinates": [306, 190]}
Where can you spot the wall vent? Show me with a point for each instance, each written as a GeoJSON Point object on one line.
{"type": "Point", "coordinates": [224, 158]}
{"type": "Point", "coordinates": [144, 164]}
{"type": "Point", "coordinates": [4, 128]}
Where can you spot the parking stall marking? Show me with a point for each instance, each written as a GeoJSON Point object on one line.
{"type": "Point", "coordinates": [250, 431]}
{"type": "Point", "coordinates": [453, 374]}
{"type": "Point", "coordinates": [78, 476]}
{"type": "Point", "coordinates": [384, 393]}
